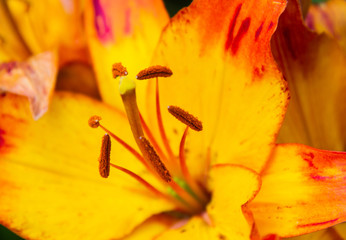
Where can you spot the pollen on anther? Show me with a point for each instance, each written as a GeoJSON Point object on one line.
{"type": "Point", "coordinates": [155, 160]}
{"type": "Point", "coordinates": [94, 121]}
{"type": "Point", "coordinates": [118, 70]}
{"type": "Point", "coordinates": [154, 71]}
{"type": "Point", "coordinates": [104, 161]}
{"type": "Point", "coordinates": [186, 118]}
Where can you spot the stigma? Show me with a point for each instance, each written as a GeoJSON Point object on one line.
{"type": "Point", "coordinates": [169, 169]}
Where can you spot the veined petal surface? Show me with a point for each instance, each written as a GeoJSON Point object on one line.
{"type": "Point", "coordinates": [50, 183]}
{"type": "Point", "coordinates": [224, 74]}
{"type": "Point", "coordinates": [303, 190]}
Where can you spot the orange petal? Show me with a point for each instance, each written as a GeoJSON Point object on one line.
{"type": "Point", "coordinates": [303, 190]}
{"type": "Point", "coordinates": [224, 74]}
{"type": "Point", "coordinates": [50, 185]}
{"type": "Point", "coordinates": [34, 78]}
{"type": "Point", "coordinates": [325, 234]}
{"type": "Point", "coordinates": [317, 83]}
{"type": "Point", "coordinates": [122, 31]}
{"type": "Point", "coordinates": [329, 18]}
{"type": "Point", "coordinates": [226, 218]}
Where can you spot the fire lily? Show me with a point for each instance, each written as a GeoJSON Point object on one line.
{"type": "Point", "coordinates": [228, 181]}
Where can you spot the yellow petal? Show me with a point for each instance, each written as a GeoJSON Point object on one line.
{"type": "Point", "coordinates": [314, 68]}
{"type": "Point", "coordinates": [50, 185]}
{"type": "Point", "coordinates": [34, 78]}
{"type": "Point", "coordinates": [122, 31]}
{"type": "Point", "coordinates": [329, 18]}
{"type": "Point", "coordinates": [151, 228]}
{"type": "Point", "coordinates": [303, 190]}
{"type": "Point", "coordinates": [63, 26]}
{"type": "Point", "coordinates": [232, 187]}
{"type": "Point", "coordinates": [224, 74]}
{"type": "Point", "coordinates": [12, 44]}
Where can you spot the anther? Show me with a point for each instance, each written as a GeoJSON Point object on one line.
{"type": "Point", "coordinates": [104, 160]}
{"type": "Point", "coordinates": [186, 118]}
{"type": "Point", "coordinates": [154, 71]}
{"type": "Point", "coordinates": [155, 160]}
{"type": "Point", "coordinates": [94, 121]}
{"type": "Point", "coordinates": [118, 70]}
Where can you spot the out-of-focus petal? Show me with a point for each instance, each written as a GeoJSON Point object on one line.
{"type": "Point", "coordinates": [12, 45]}
{"type": "Point", "coordinates": [50, 183]}
{"type": "Point", "coordinates": [122, 31]}
{"type": "Point", "coordinates": [329, 18]}
{"type": "Point", "coordinates": [224, 74]}
{"type": "Point", "coordinates": [226, 218]}
{"type": "Point", "coordinates": [314, 68]}
{"type": "Point", "coordinates": [303, 190]}
{"type": "Point", "coordinates": [62, 27]}
{"type": "Point", "coordinates": [34, 78]}
{"type": "Point", "coordinates": [79, 78]}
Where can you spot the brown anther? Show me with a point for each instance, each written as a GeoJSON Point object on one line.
{"type": "Point", "coordinates": [118, 70]}
{"type": "Point", "coordinates": [186, 118]}
{"type": "Point", "coordinates": [155, 160]}
{"type": "Point", "coordinates": [154, 71]}
{"type": "Point", "coordinates": [104, 161]}
{"type": "Point", "coordinates": [94, 121]}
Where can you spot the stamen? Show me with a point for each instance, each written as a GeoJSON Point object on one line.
{"type": "Point", "coordinates": [105, 156]}
{"type": "Point", "coordinates": [139, 179]}
{"type": "Point", "coordinates": [154, 71]}
{"type": "Point", "coordinates": [118, 70]}
{"type": "Point", "coordinates": [186, 118]}
{"type": "Point", "coordinates": [151, 137]}
{"type": "Point", "coordinates": [155, 160]}
{"type": "Point", "coordinates": [94, 121]}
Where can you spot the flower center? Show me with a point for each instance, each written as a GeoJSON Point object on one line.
{"type": "Point", "coordinates": [181, 188]}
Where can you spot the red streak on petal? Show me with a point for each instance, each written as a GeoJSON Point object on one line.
{"type": "Point", "coordinates": [231, 27]}
{"type": "Point", "coordinates": [317, 224]}
{"type": "Point", "coordinates": [258, 31]}
{"type": "Point", "coordinates": [308, 157]}
{"type": "Point", "coordinates": [2, 140]}
{"type": "Point", "coordinates": [271, 24]}
{"type": "Point", "coordinates": [242, 31]}
{"type": "Point", "coordinates": [271, 237]}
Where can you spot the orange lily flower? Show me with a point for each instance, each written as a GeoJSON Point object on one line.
{"type": "Point", "coordinates": [224, 73]}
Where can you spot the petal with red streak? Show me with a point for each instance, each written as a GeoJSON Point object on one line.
{"type": "Point", "coordinates": [303, 190]}
{"type": "Point", "coordinates": [224, 74]}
